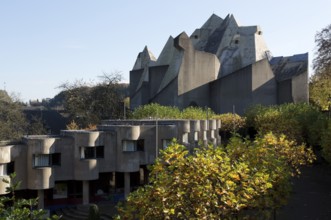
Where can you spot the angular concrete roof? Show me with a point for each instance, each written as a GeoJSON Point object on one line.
{"type": "Point", "coordinates": [287, 67]}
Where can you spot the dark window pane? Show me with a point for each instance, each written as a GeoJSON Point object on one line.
{"type": "Point", "coordinates": [89, 153]}
{"type": "Point", "coordinates": [10, 168]}
{"type": "Point", "coordinates": [140, 145]}
{"type": "Point", "coordinates": [56, 159]}
{"type": "Point", "coordinates": [100, 152]}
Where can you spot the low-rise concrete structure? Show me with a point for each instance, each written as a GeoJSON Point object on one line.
{"type": "Point", "coordinates": [79, 167]}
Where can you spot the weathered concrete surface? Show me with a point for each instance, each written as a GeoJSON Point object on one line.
{"type": "Point", "coordinates": [222, 65]}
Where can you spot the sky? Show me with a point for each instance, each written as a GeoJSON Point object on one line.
{"type": "Point", "coordinates": [45, 43]}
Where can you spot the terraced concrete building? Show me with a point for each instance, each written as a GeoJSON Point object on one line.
{"type": "Point", "coordinates": [222, 65]}
{"type": "Point", "coordinates": [81, 167]}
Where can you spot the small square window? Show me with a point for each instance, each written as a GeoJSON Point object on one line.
{"type": "Point", "coordinates": [41, 160]}
{"type": "Point", "coordinates": [129, 146]}
{"type": "Point", "coordinates": [89, 153]}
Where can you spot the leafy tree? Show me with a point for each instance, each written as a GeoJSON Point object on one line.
{"type": "Point", "coordinates": [13, 123]}
{"type": "Point", "coordinates": [12, 208]}
{"type": "Point", "coordinates": [243, 179]}
{"type": "Point", "coordinates": [90, 103]}
{"type": "Point", "coordinates": [320, 82]}
{"type": "Point", "coordinates": [36, 126]}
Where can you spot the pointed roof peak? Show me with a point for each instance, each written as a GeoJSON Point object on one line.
{"type": "Point", "coordinates": [146, 51]}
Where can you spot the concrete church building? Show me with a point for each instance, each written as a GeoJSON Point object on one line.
{"type": "Point", "coordinates": [222, 65]}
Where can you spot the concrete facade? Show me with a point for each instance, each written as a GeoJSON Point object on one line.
{"type": "Point", "coordinates": [222, 65]}
{"type": "Point", "coordinates": [79, 167]}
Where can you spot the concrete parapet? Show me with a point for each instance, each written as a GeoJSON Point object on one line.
{"type": "Point", "coordinates": [195, 125]}
{"type": "Point", "coordinates": [184, 126]}
{"type": "Point", "coordinates": [40, 178]}
{"type": "Point", "coordinates": [212, 124]}
{"type": "Point", "coordinates": [204, 125]}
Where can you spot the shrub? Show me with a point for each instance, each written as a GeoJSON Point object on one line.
{"type": "Point", "coordinates": [326, 143]}
{"type": "Point", "coordinates": [94, 213]}
{"type": "Point", "coordinates": [230, 122]}
{"type": "Point", "coordinates": [197, 113]}
{"type": "Point", "coordinates": [217, 182]}
{"type": "Point", "coordinates": [155, 110]}
{"type": "Point", "coordinates": [300, 122]}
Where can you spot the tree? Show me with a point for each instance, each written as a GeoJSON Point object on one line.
{"type": "Point", "coordinates": [320, 82]}
{"type": "Point", "coordinates": [12, 208]}
{"type": "Point", "coordinates": [244, 179]}
{"type": "Point", "coordinates": [13, 123]}
{"type": "Point", "coordinates": [89, 103]}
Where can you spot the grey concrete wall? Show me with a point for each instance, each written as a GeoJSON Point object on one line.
{"type": "Point", "coordinates": [156, 75]}
{"type": "Point", "coordinates": [168, 96]}
{"type": "Point", "coordinates": [108, 163]}
{"type": "Point", "coordinates": [284, 91]}
{"type": "Point", "coordinates": [66, 147]}
{"type": "Point", "coordinates": [300, 88]}
{"type": "Point", "coordinates": [232, 92]}
{"type": "Point", "coordinates": [197, 68]}
{"type": "Point", "coordinates": [264, 85]}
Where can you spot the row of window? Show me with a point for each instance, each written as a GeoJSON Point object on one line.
{"type": "Point", "coordinates": [48, 160]}
{"type": "Point", "coordinates": [139, 145]}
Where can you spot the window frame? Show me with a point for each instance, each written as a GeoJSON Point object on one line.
{"type": "Point", "coordinates": [137, 145]}
{"type": "Point", "coordinates": [51, 158]}
{"type": "Point", "coordinates": [92, 152]}
{"type": "Point", "coordinates": [35, 158]}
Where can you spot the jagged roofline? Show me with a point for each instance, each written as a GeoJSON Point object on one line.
{"type": "Point", "coordinates": [213, 20]}
{"type": "Point", "coordinates": [150, 54]}
{"type": "Point", "coordinates": [145, 55]}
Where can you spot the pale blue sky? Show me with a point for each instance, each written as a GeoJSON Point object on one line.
{"type": "Point", "coordinates": [44, 43]}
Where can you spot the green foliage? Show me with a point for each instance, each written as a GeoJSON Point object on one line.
{"type": "Point", "coordinates": [217, 182]}
{"type": "Point", "coordinates": [320, 92]}
{"type": "Point", "coordinates": [302, 122]}
{"type": "Point", "coordinates": [197, 113]}
{"type": "Point", "coordinates": [12, 208]}
{"type": "Point", "coordinates": [322, 61]}
{"type": "Point", "coordinates": [155, 110]}
{"type": "Point", "coordinates": [13, 124]}
{"type": "Point", "coordinates": [231, 122]}
{"type": "Point", "coordinates": [326, 143]}
{"type": "Point", "coordinates": [91, 103]}
{"type": "Point", "coordinates": [320, 82]}
{"type": "Point", "coordinates": [94, 213]}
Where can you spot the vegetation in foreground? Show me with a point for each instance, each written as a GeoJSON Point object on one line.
{"type": "Point", "coordinates": [12, 208]}
{"type": "Point", "coordinates": [219, 182]}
